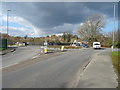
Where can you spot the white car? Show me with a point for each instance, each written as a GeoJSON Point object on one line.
{"type": "Point", "coordinates": [96, 45]}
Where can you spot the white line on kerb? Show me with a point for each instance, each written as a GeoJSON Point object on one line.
{"type": "Point", "coordinates": [35, 56]}
{"type": "Point", "coordinates": [9, 65]}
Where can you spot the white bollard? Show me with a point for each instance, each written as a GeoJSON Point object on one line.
{"type": "Point", "coordinates": [45, 50]}
{"type": "Point", "coordinates": [112, 48]}
{"type": "Point", "coordinates": [62, 48]}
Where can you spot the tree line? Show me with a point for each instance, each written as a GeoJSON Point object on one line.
{"type": "Point", "coordinates": [90, 30]}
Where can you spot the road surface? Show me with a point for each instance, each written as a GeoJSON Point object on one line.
{"type": "Point", "coordinates": [20, 54]}
{"type": "Point", "coordinates": [54, 72]}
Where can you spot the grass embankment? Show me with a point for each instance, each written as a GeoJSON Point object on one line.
{"type": "Point", "coordinates": [65, 47]}
{"type": "Point", "coordinates": [116, 63]}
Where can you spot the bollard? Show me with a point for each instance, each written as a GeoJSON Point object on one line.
{"type": "Point", "coordinates": [23, 44]}
{"type": "Point", "coordinates": [19, 44]}
{"type": "Point", "coordinates": [45, 50]}
{"type": "Point", "coordinates": [112, 48]}
{"type": "Point", "coordinates": [62, 48]}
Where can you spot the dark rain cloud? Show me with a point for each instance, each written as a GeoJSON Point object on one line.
{"type": "Point", "coordinates": [52, 14]}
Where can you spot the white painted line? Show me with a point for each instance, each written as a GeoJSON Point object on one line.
{"type": "Point", "coordinates": [35, 56]}
{"type": "Point", "coordinates": [9, 65]}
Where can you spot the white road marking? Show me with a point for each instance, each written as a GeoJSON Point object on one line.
{"type": "Point", "coordinates": [35, 56]}
{"type": "Point", "coordinates": [9, 65]}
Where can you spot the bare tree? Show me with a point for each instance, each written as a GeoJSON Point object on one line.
{"type": "Point", "coordinates": [92, 27]}
{"type": "Point", "coordinates": [67, 37]}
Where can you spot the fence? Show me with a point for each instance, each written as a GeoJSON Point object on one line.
{"type": "Point", "coordinates": [3, 43]}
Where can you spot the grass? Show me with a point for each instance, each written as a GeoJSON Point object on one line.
{"type": "Point", "coordinates": [115, 59]}
{"type": "Point", "coordinates": [116, 63]}
{"type": "Point", "coordinates": [1, 49]}
{"type": "Point", "coordinates": [65, 47]}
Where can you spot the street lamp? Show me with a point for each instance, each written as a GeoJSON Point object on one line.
{"type": "Point", "coordinates": [8, 21]}
{"type": "Point", "coordinates": [114, 27]}
{"type": "Point", "coordinates": [8, 25]}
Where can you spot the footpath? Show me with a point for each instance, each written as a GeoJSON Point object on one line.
{"type": "Point", "coordinates": [99, 73]}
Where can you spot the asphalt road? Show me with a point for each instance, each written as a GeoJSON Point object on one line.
{"type": "Point", "coordinates": [54, 72]}
{"type": "Point", "coordinates": [20, 54]}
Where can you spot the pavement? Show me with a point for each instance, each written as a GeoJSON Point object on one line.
{"type": "Point", "coordinates": [9, 50]}
{"type": "Point", "coordinates": [99, 73]}
{"type": "Point", "coordinates": [116, 49]}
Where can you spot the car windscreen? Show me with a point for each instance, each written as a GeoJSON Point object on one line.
{"type": "Point", "coordinates": [96, 44]}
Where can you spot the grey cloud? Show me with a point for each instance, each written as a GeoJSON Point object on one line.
{"type": "Point", "coordinates": [51, 14]}
{"type": "Point", "coordinates": [64, 28]}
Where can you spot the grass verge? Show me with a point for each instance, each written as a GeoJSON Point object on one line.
{"type": "Point", "coordinates": [116, 63]}
{"type": "Point", "coordinates": [65, 47]}
{"type": "Point", "coordinates": [1, 49]}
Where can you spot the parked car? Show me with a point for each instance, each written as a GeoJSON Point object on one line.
{"type": "Point", "coordinates": [85, 46]}
{"type": "Point", "coordinates": [26, 43]}
{"type": "Point", "coordinates": [96, 45]}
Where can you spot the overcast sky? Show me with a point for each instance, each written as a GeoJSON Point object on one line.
{"type": "Point", "coordinates": [45, 18]}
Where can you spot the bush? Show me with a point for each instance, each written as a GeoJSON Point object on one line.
{"type": "Point", "coordinates": [118, 45]}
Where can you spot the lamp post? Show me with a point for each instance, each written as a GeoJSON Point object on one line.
{"type": "Point", "coordinates": [114, 27]}
{"type": "Point", "coordinates": [8, 25]}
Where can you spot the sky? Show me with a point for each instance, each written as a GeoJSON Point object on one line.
{"type": "Point", "coordinates": [45, 18]}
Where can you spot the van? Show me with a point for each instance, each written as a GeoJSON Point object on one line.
{"type": "Point", "coordinates": [96, 45]}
